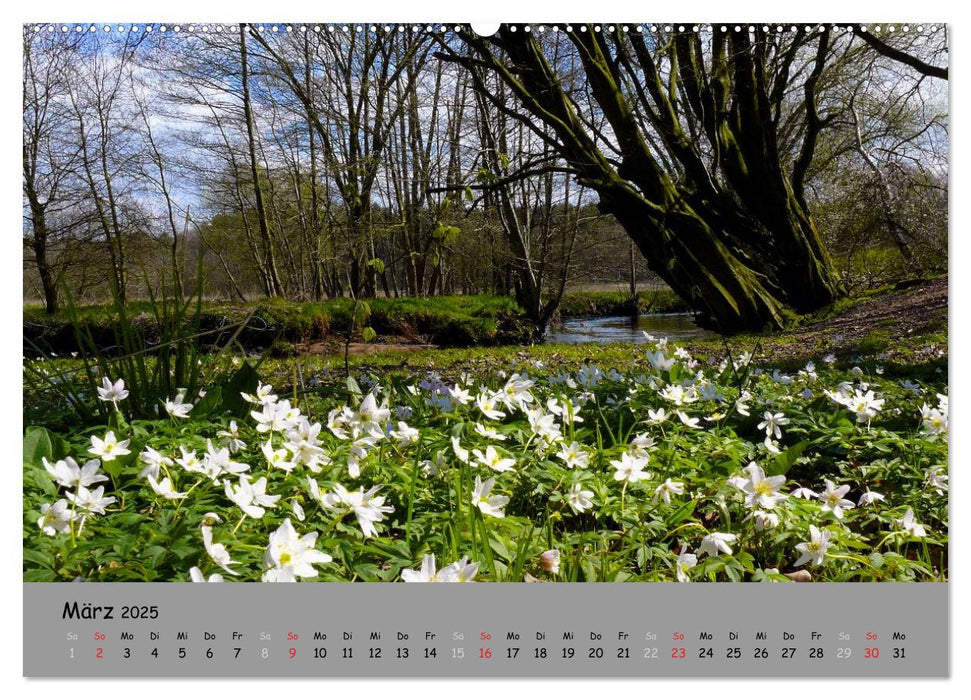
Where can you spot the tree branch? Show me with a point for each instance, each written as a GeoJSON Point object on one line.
{"type": "Point", "coordinates": [890, 52]}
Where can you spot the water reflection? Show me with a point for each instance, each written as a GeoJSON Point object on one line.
{"type": "Point", "coordinates": [626, 329]}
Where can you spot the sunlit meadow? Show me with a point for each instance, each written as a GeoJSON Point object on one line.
{"type": "Point", "coordinates": [689, 469]}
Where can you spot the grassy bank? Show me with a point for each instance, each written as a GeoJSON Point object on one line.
{"type": "Point", "coordinates": [451, 321]}
{"type": "Point", "coordinates": [454, 321]}
{"type": "Point", "coordinates": [582, 304]}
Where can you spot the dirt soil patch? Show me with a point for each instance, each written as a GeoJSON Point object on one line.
{"type": "Point", "coordinates": [914, 310]}
{"type": "Point", "coordinates": [870, 325]}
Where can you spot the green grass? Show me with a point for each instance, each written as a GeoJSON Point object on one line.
{"type": "Point", "coordinates": [457, 321]}
{"type": "Point", "coordinates": [589, 303]}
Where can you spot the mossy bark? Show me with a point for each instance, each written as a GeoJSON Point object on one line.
{"type": "Point", "coordinates": [716, 215]}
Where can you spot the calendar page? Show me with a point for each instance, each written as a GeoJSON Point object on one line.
{"type": "Point", "coordinates": [518, 350]}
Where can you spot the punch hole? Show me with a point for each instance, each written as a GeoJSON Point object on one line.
{"type": "Point", "coordinates": [485, 28]}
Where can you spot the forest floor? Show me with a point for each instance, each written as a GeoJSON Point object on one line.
{"type": "Point", "coordinates": [874, 324]}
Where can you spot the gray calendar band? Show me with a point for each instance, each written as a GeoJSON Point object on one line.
{"type": "Point", "coordinates": [622, 630]}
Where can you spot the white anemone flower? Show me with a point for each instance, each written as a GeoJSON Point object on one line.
{"type": "Point", "coordinates": [460, 452]}
{"type": "Point", "coordinates": [489, 505]}
{"type": "Point", "coordinates": [579, 499]}
{"type": "Point", "coordinates": [641, 445]}
{"type": "Point", "coordinates": [178, 407]}
{"type": "Point", "coordinates": [489, 433]}
{"type": "Point", "coordinates": [716, 542]}
{"type": "Point", "coordinates": [761, 491]}
{"type": "Point", "coordinates": [217, 552]}
{"type": "Point", "coordinates": [109, 448]}
{"type": "Point", "coordinates": [251, 498]}
{"type": "Point", "coordinates": [689, 421]}
{"type": "Point", "coordinates": [685, 561]}
{"type": "Point", "coordinates": [630, 469]}
{"type": "Point", "coordinates": [370, 417]}
{"type": "Point", "coordinates": [574, 456]}
{"type": "Point", "coordinates": [230, 438]}
{"type": "Point", "coordinates": [656, 416]}
{"type": "Point", "coordinates": [426, 574]}
{"type": "Point", "coordinates": [813, 551]}
{"type": "Point", "coordinates": [56, 517]}
{"type": "Point", "coordinates": [153, 461]}
{"type": "Point", "coordinates": [764, 519]}
{"type": "Point", "coordinates": [91, 501]}
{"type": "Point", "coordinates": [910, 525]}
{"type": "Point", "coordinates": [289, 555]}
{"type": "Point", "coordinates": [367, 506]}
{"type": "Point", "coordinates": [458, 572]}
{"type": "Point", "coordinates": [659, 360]}
{"type": "Point", "coordinates": [217, 463]}
{"type": "Point", "coordinates": [264, 394]}
{"type": "Point", "coordinates": [275, 417]}
{"type": "Point", "coordinates": [405, 434]}
{"type": "Point", "coordinates": [196, 576]}
{"type": "Point", "coordinates": [804, 493]}
{"type": "Point", "coordinates": [278, 459]}
{"type": "Point", "coordinates": [487, 404]}
{"type": "Point", "coordinates": [773, 424]}
{"type": "Point", "coordinates": [870, 497]}
{"type": "Point", "coordinates": [112, 392]}
{"type": "Point", "coordinates": [935, 479]}
{"type": "Point", "coordinates": [66, 472]}
{"type": "Point", "coordinates": [833, 499]}
{"type": "Point", "coordinates": [665, 490]}
{"type": "Point", "coordinates": [494, 460]}
{"type": "Point", "coordinates": [164, 488]}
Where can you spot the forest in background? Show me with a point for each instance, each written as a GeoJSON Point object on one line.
{"type": "Point", "coordinates": [757, 173]}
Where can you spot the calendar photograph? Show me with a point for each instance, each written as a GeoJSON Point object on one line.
{"type": "Point", "coordinates": [433, 303]}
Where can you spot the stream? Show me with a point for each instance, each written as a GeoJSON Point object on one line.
{"type": "Point", "coordinates": [626, 329]}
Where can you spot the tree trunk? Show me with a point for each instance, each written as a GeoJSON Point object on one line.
{"type": "Point", "coordinates": [274, 286]}
{"type": "Point", "coordinates": [726, 232]}
{"type": "Point", "coordinates": [38, 218]}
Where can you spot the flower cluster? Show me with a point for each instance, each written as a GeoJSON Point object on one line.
{"type": "Point", "coordinates": [679, 468]}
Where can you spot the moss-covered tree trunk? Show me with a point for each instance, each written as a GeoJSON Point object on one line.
{"type": "Point", "coordinates": [691, 167]}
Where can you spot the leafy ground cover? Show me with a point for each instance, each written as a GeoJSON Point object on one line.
{"type": "Point", "coordinates": [713, 462]}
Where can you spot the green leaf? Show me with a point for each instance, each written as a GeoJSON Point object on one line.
{"type": "Point", "coordinates": [37, 445]}
{"type": "Point", "coordinates": [59, 446]}
{"type": "Point", "coordinates": [499, 548]}
{"type": "Point", "coordinates": [683, 512]}
{"type": "Point", "coordinates": [245, 379]}
{"type": "Point", "coordinates": [876, 560]}
{"type": "Point", "coordinates": [45, 560]}
{"type": "Point", "coordinates": [211, 403]}
{"type": "Point", "coordinates": [362, 312]}
{"type": "Point", "coordinates": [369, 334]}
{"type": "Point", "coordinates": [784, 460]}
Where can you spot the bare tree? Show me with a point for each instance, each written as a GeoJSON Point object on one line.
{"type": "Point", "coordinates": [48, 158]}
